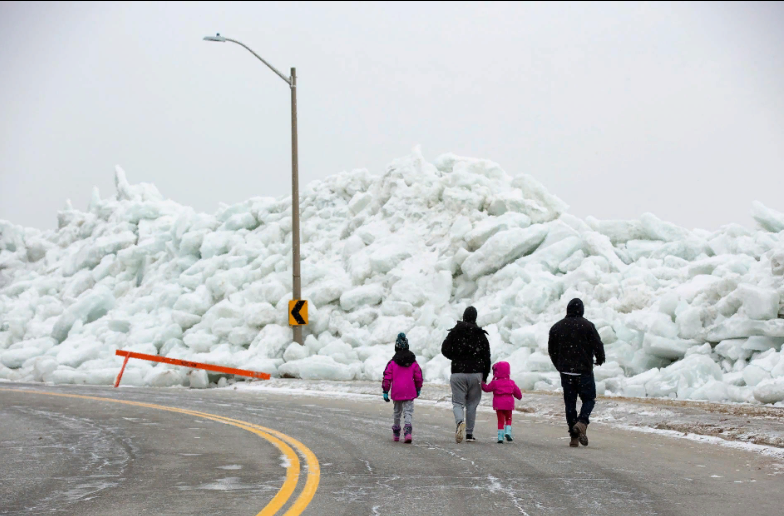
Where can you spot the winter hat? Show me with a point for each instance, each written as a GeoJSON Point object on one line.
{"type": "Point", "coordinates": [469, 315]}
{"type": "Point", "coordinates": [402, 342]}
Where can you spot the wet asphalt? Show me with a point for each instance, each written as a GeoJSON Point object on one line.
{"type": "Point", "coordinates": [62, 455]}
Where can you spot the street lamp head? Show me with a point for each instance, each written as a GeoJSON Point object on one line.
{"type": "Point", "coordinates": [216, 37]}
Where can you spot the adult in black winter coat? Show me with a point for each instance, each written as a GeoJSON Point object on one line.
{"type": "Point", "coordinates": [573, 344]}
{"type": "Point", "coordinates": [467, 347]}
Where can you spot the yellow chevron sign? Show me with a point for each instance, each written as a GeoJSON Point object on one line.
{"type": "Point", "coordinates": [298, 312]}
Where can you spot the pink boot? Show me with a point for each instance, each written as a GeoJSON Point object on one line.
{"type": "Point", "coordinates": [407, 432]}
{"type": "Point", "coordinates": [396, 433]}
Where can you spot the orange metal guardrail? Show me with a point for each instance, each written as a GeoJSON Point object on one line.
{"type": "Point", "coordinates": [185, 363]}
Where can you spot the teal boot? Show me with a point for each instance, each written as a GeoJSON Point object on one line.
{"type": "Point", "coordinates": [509, 433]}
{"type": "Point", "coordinates": [500, 437]}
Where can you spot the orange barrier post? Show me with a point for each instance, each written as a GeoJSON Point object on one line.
{"type": "Point", "coordinates": [119, 376]}
{"type": "Point", "coordinates": [186, 363]}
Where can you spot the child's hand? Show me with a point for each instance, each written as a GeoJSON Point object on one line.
{"type": "Point", "coordinates": [419, 392]}
{"type": "Point", "coordinates": [386, 397]}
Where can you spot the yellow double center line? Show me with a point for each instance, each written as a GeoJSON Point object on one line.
{"type": "Point", "coordinates": [280, 440]}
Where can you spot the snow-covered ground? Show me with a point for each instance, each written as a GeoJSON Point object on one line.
{"type": "Point", "coordinates": [686, 314]}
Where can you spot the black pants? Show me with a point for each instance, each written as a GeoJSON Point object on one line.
{"type": "Point", "coordinates": [573, 386]}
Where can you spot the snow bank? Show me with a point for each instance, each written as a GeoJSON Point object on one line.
{"type": "Point", "coordinates": [683, 314]}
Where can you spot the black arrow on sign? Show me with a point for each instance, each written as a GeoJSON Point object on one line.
{"type": "Point", "coordinates": [295, 312]}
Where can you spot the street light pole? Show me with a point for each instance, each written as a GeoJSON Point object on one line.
{"type": "Point", "coordinates": [292, 82]}
{"type": "Point", "coordinates": [296, 280]}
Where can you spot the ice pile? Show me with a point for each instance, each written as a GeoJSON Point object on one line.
{"type": "Point", "coordinates": [686, 314]}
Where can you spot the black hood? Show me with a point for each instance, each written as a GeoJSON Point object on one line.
{"type": "Point", "coordinates": [404, 358]}
{"type": "Point", "coordinates": [575, 308]}
{"type": "Point", "coordinates": [469, 315]}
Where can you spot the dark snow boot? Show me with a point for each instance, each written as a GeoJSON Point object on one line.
{"type": "Point", "coordinates": [580, 429]}
{"type": "Point", "coordinates": [407, 434]}
{"type": "Point", "coordinates": [396, 433]}
{"type": "Point", "coordinates": [574, 443]}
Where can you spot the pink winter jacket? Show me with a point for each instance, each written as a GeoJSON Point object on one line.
{"type": "Point", "coordinates": [404, 381]}
{"type": "Point", "coordinates": [503, 388]}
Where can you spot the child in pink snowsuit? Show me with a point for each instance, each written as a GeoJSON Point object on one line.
{"type": "Point", "coordinates": [404, 377]}
{"type": "Point", "coordinates": [503, 388]}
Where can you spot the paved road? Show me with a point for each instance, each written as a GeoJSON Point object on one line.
{"type": "Point", "coordinates": [65, 455]}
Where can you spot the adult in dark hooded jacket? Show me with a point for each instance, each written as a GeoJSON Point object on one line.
{"type": "Point", "coordinates": [573, 344]}
{"type": "Point", "coordinates": [467, 347]}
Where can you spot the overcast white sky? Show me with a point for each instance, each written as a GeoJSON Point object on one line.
{"type": "Point", "coordinates": [618, 108]}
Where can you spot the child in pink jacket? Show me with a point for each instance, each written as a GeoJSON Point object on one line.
{"type": "Point", "coordinates": [404, 377]}
{"type": "Point", "coordinates": [503, 388]}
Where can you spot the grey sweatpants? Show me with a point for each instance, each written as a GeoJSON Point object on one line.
{"type": "Point", "coordinates": [406, 408]}
{"type": "Point", "coordinates": [466, 394]}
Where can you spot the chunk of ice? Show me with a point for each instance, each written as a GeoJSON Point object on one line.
{"type": "Point", "coordinates": [502, 248]}
{"type": "Point", "coordinates": [318, 367]}
{"type": "Point", "coordinates": [367, 295]}
{"type": "Point", "coordinates": [770, 391]}
{"type": "Point", "coordinates": [768, 219]}
{"type": "Point", "coordinates": [92, 305]}
{"type": "Point", "coordinates": [758, 303]}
